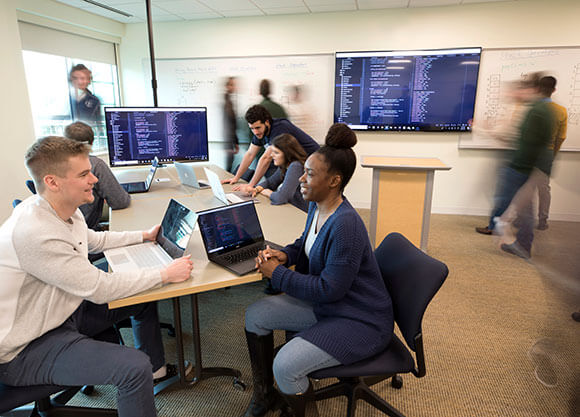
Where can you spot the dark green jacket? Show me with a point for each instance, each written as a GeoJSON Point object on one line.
{"type": "Point", "coordinates": [535, 135]}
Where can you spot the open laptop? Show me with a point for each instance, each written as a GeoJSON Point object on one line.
{"type": "Point", "coordinates": [187, 176]}
{"type": "Point", "coordinates": [220, 194]}
{"type": "Point", "coordinates": [232, 236]}
{"type": "Point", "coordinates": [176, 229]}
{"type": "Point", "coordinates": [142, 186]}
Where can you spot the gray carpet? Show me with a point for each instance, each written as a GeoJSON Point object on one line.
{"type": "Point", "coordinates": [497, 322]}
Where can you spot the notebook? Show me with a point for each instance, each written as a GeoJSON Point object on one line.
{"type": "Point", "coordinates": [232, 236]}
{"type": "Point", "coordinates": [187, 176]}
{"type": "Point", "coordinates": [142, 186]}
{"type": "Point", "coordinates": [176, 229]}
{"type": "Point", "coordinates": [220, 194]}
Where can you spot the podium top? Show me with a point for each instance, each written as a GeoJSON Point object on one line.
{"type": "Point", "coordinates": [403, 163]}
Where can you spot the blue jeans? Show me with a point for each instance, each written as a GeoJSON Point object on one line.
{"type": "Point", "coordinates": [298, 357]}
{"type": "Point", "coordinates": [509, 182]}
{"type": "Point", "coordinates": [69, 356]}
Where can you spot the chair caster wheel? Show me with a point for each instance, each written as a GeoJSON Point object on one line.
{"type": "Point", "coordinates": [88, 389]}
{"type": "Point", "coordinates": [397, 382]}
{"type": "Point", "coordinates": [239, 384]}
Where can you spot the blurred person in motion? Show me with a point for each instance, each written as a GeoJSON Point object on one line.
{"type": "Point", "coordinates": [548, 87]}
{"type": "Point", "coordinates": [531, 151]}
{"type": "Point", "coordinates": [232, 146]}
{"type": "Point", "coordinates": [275, 109]}
{"type": "Point", "coordinates": [301, 113]}
{"type": "Point", "coordinates": [284, 185]}
{"type": "Point", "coordinates": [86, 107]}
{"type": "Point", "coordinates": [540, 176]}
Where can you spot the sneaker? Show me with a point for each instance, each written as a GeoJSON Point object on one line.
{"type": "Point", "coordinates": [542, 225]}
{"type": "Point", "coordinates": [484, 230]}
{"type": "Point", "coordinates": [516, 249]}
{"type": "Point", "coordinates": [172, 371]}
{"type": "Point", "coordinates": [500, 226]}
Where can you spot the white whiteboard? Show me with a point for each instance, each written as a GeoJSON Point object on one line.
{"type": "Point", "coordinates": [200, 82]}
{"type": "Point", "coordinates": [499, 66]}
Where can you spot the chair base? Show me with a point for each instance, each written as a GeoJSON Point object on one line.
{"type": "Point", "coordinates": [60, 411]}
{"type": "Point", "coordinates": [355, 389]}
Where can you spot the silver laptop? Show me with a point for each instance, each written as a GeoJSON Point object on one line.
{"type": "Point", "coordinates": [187, 176]}
{"type": "Point", "coordinates": [232, 236]}
{"type": "Point", "coordinates": [142, 186]}
{"type": "Point", "coordinates": [176, 229]}
{"type": "Point", "coordinates": [220, 194]}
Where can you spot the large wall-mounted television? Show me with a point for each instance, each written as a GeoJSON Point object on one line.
{"type": "Point", "coordinates": [136, 135]}
{"type": "Point", "coordinates": [423, 90]}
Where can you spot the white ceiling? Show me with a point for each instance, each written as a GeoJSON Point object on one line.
{"type": "Point", "coordinates": [178, 10]}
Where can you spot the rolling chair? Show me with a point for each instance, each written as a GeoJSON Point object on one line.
{"type": "Point", "coordinates": [412, 279]}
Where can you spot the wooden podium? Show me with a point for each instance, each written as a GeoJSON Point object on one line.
{"type": "Point", "coordinates": [402, 191]}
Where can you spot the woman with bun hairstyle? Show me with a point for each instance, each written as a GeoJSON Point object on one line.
{"type": "Point", "coordinates": [335, 299]}
{"type": "Point", "coordinates": [284, 185]}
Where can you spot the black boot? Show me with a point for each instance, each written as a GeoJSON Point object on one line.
{"type": "Point", "coordinates": [301, 405]}
{"type": "Point", "coordinates": [265, 396]}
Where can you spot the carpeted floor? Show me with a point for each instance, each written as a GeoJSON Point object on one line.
{"type": "Point", "coordinates": [496, 323]}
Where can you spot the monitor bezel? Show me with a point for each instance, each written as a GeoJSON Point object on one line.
{"type": "Point", "coordinates": [147, 108]}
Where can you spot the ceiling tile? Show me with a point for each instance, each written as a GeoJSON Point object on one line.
{"type": "Point", "coordinates": [199, 16]}
{"type": "Point", "coordinates": [381, 4]}
{"type": "Point", "coordinates": [182, 6]}
{"type": "Point", "coordinates": [221, 5]}
{"type": "Point", "coordinates": [429, 3]}
{"type": "Point", "coordinates": [331, 8]}
{"type": "Point", "coordinates": [240, 13]}
{"type": "Point", "coordinates": [74, 3]}
{"type": "Point", "coordinates": [338, 3]}
{"type": "Point", "coordinates": [278, 4]}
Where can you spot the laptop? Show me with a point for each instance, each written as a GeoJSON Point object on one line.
{"type": "Point", "coordinates": [142, 186]}
{"type": "Point", "coordinates": [220, 194]}
{"type": "Point", "coordinates": [232, 236]}
{"type": "Point", "coordinates": [176, 229]}
{"type": "Point", "coordinates": [187, 176]}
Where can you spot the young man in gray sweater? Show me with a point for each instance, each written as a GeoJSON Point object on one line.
{"type": "Point", "coordinates": [107, 188]}
{"type": "Point", "coordinates": [53, 300]}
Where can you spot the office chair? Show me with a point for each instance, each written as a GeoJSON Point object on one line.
{"type": "Point", "coordinates": [31, 187]}
{"type": "Point", "coordinates": [412, 279]}
{"type": "Point", "coordinates": [15, 202]}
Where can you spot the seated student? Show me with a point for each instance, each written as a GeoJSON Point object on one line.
{"type": "Point", "coordinates": [335, 299]}
{"type": "Point", "coordinates": [265, 129]}
{"type": "Point", "coordinates": [54, 300]}
{"type": "Point", "coordinates": [108, 188]}
{"type": "Point", "coordinates": [284, 185]}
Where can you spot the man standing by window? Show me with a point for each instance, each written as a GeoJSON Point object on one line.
{"type": "Point", "coordinates": [85, 105]}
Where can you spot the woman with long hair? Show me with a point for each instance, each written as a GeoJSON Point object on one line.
{"type": "Point", "coordinates": [284, 185]}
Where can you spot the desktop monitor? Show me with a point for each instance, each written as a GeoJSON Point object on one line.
{"type": "Point", "coordinates": [423, 90]}
{"type": "Point", "coordinates": [137, 134]}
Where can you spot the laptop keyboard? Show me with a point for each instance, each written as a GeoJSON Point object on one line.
{"type": "Point", "coordinates": [242, 255]}
{"type": "Point", "coordinates": [144, 258]}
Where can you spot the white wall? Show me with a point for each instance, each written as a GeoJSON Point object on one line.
{"type": "Point", "coordinates": [15, 116]}
{"type": "Point", "coordinates": [468, 187]}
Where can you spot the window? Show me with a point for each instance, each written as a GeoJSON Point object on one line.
{"type": "Point", "coordinates": [51, 94]}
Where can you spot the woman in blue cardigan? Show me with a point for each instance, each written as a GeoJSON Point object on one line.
{"type": "Point", "coordinates": [335, 299]}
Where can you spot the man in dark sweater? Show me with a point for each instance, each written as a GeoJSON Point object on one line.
{"type": "Point", "coordinates": [531, 152]}
{"type": "Point", "coordinates": [265, 129]}
{"type": "Point", "coordinates": [107, 189]}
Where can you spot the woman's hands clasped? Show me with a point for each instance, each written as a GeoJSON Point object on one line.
{"type": "Point", "coordinates": [269, 259]}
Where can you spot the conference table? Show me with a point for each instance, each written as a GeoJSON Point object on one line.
{"type": "Point", "coordinates": [280, 224]}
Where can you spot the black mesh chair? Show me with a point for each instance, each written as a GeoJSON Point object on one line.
{"type": "Point", "coordinates": [31, 187]}
{"type": "Point", "coordinates": [412, 279]}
